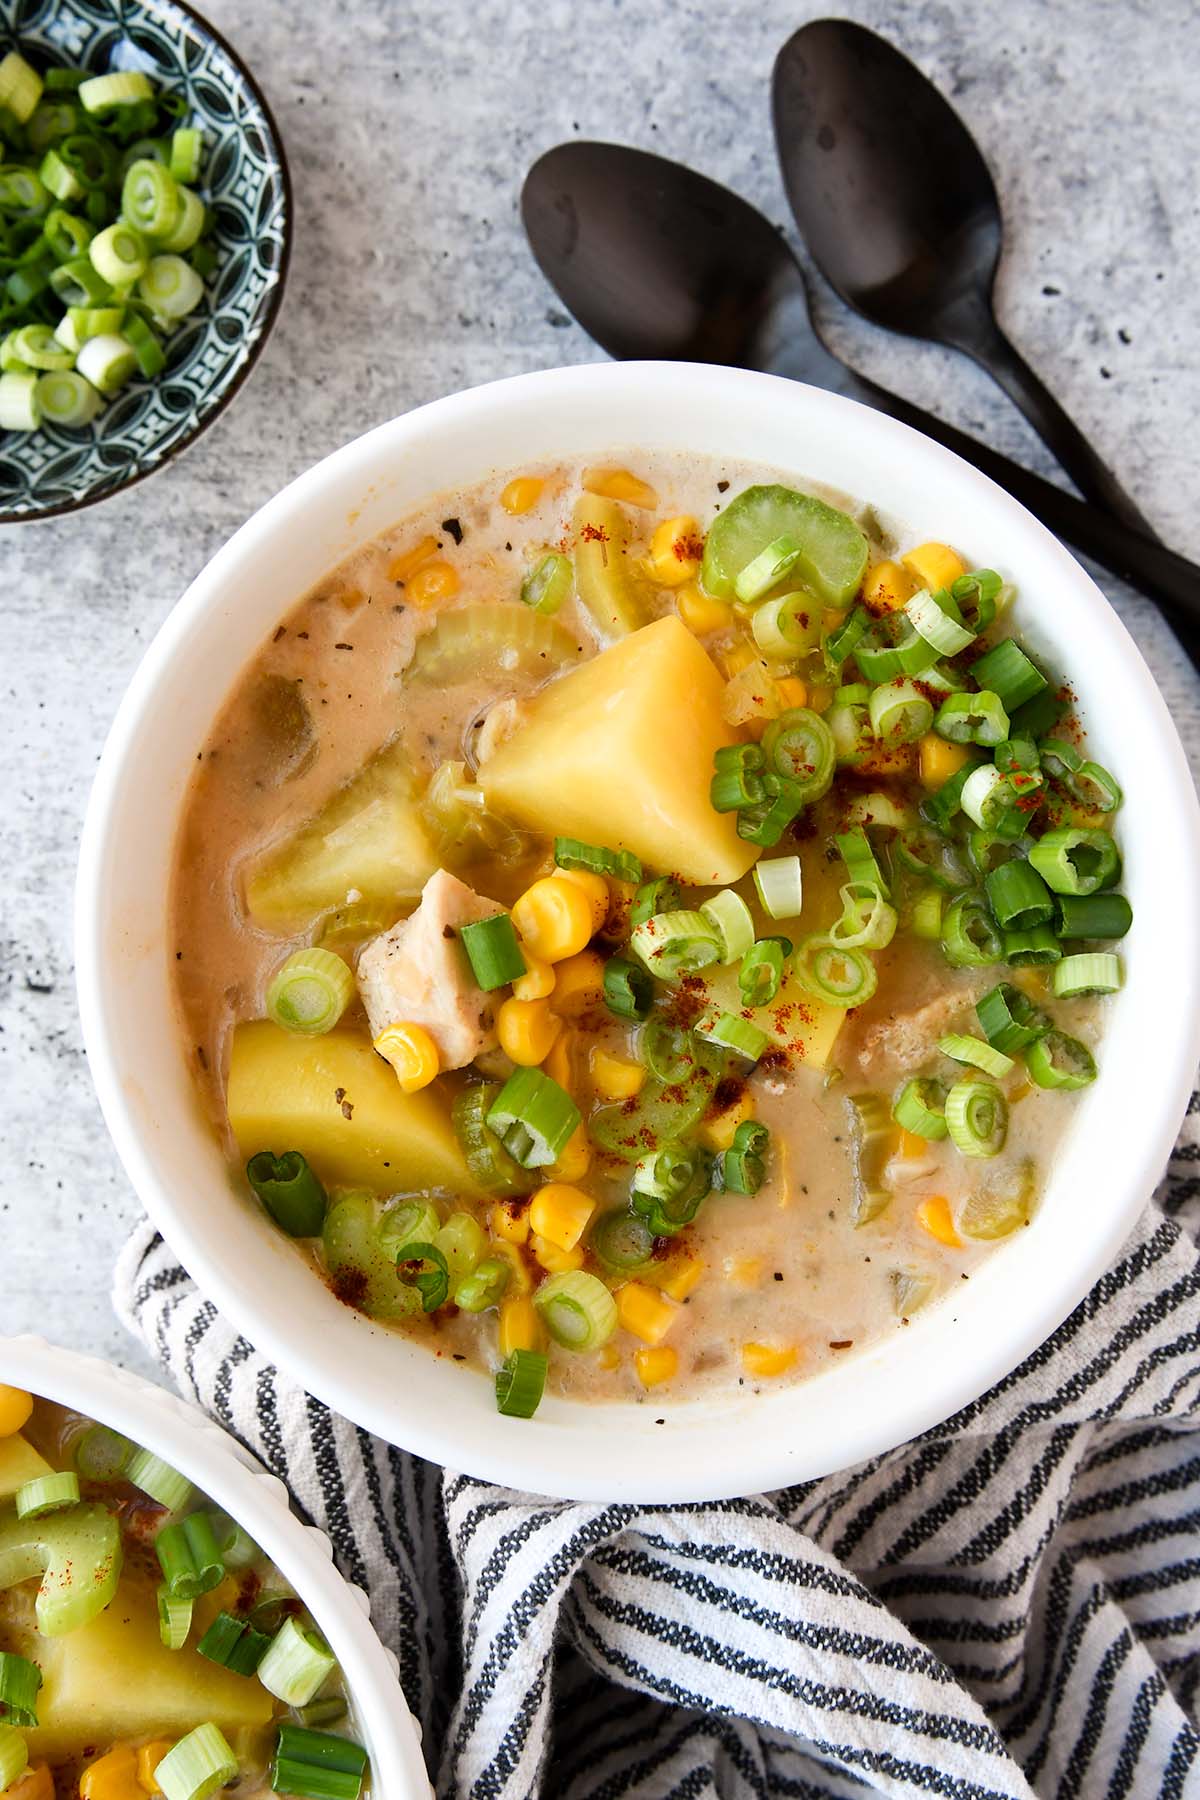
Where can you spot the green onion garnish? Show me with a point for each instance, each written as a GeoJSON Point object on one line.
{"type": "Point", "coordinates": [798, 748]}
{"type": "Point", "coordinates": [1031, 949]}
{"type": "Point", "coordinates": [761, 973]}
{"type": "Point", "coordinates": [20, 1680]}
{"type": "Point", "coordinates": [101, 1453]}
{"type": "Point", "coordinates": [926, 920]}
{"type": "Point", "coordinates": [854, 848]}
{"type": "Point", "coordinates": [1059, 1061]}
{"type": "Point", "coordinates": [780, 884]}
{"type": "Point", "coordinates": [731, 923]}
{"type": "Point", "coordinates": [198, 1765]}
{"type": "Point", "coordinates": [1010, 675]}
{"type": "Point", "coordinates": [732, 1032]}
{"type": "Point", "coordinates": [766, 823]}
{"type": "Point", "coordinates": [923, 851]}
{"type": "Point", "coordinates": [920, 1107]}
{"type": "Point", "coordinates": [296, 1664]}
{"type": "Point", "coordinates": [867, 921]}
{"type": "Point", "coordinates": [842, 642]}
{"type": "Point", "coordinates": [668, 1051]}
{"type": "Point", "coordinates": [628, 989]}
{"type": "Point", "coordinates": [289, 1190]}
{"type": "Point", "coordinates": [938, 620]}
{"type": "Point", "coordinates": [234, 1644]}
{"type": "Point", "coordinates": [493, 951]}
{"type": "Point", "coordinates": [892, 646]}
{"type": "Point", "coordinates": [533, 1117]}
{"type": "Point", "coordinates": [677, 943]}
{"type": "Point", "coordinates": [622, 1241]}
{"type": "Point", "coordinates": [943, 805]}
{"type": "Point", "coordinates": [737, 781]}
{"type": "Point", "coordinates": [1072, 860]}
{"type": "Point", "coordinates": [158, 1479]}
{"type": "Point", "coordinates": [976, 595]}
{"type": "Point", "coordinates": [188, 1557]}
{"type": "Point", "coordinates": [765, 570]}
{"type": "Point", "coordinates": [781, 626]}
{"type": "Point", "coordinates": [20, 87]}
{"type": "Point", "coordinates": [462, 1241]}
{"type": "Point", "coordinates": [661, 895]}
{"type": "Point", "coordinates": [976, 1054]}
{"type": "Point", "coordinates": [1092, 915]}
{"type": "Point", "coordinates": [972, 718]}
{"type": "Point", "coordinates": [833, 973]}
{"type": "Point", "coordinates": [424, 1267]}
{"type": "Point", "coordinates": [1092, 972]}
{"type": "Point", "coordinates": [970, 939]}
{"type": "Point", "coordinates": [309, 991]}
{"type": "Point", "coordinates": [577, 1309]}
{"type": "Point", "coordinates": [899, 711]}
{"type": "Point", "coordinates": [977, 1116]}
{"type": "Point", "coordinates": [1009, 1019]}
{"type": "Point", "coordinates": [492, 1168]}
{"type": "Point", "coordinates": [520, 1383]}
{"type": "Point", "coordinates": [484, 1286]}
{"type": "Point", "coordinates": [1018, 896]}
{"type": "Point", "coordinates": [669, 1186]}
{"type": "Point", "coordinates": [14, 1752]}
{"type": "Point", "coordinates": [1087, 782]}
{"type": "Point", "coordinates": [46, 1495]}
{"type": "Point", "coordinates": [407, 1222]}
{"type": "Point", "coordinates": [174, 1618]}
{"type": "Point", "coordinates": [571, 853]}
{"type": "Point", "coordinates": [742, 1168]}
{"type": "Point", "coordinates": [549, 583]}
{"type": "Point", "coordinates": [316, 1765]}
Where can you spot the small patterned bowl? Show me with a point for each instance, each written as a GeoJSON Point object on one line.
{"type": "Point", "coordinates": [246, 180]}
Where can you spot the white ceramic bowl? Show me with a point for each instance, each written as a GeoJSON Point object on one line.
{"type": "Point", "coordinates": [1124, 1124]}
{"type": "Point", "coordinates": [228, 1474]}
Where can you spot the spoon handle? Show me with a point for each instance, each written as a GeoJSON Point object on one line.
{"type": "Point", "coordinates": [1144, 562]}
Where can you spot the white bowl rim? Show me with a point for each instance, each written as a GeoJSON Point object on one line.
{"type": "Point", "coordinates": [714, 1449]}
{"type": "Point", "coordinates": [230, 1475]}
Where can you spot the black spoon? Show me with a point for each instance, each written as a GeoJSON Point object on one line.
{"type": "Point", "coordinates": [655, 261]}
{"type": "Point", "coordinates": [899, 210]}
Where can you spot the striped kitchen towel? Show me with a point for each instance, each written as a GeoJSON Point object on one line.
{"type": "Point", "coordinates": [1009, 1606]}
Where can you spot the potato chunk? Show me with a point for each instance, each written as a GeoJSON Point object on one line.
{"type": "Point", "coordinates": [340, 1105]}
{"type": "Point", "coordinates": [620, 752]}
{"type": "Point", "coordinates": [19, 1463]}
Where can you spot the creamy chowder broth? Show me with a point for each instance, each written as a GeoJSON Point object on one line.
{"type": "Point", "coordinates": [644, 926]}
{"type": "Point", "coordinates": [147, 1646]}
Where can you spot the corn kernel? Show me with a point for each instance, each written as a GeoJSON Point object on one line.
{"type": "Point", "coordinates": [768, 1359]}
{"type": "Point", "coordinates": [520, 1327]}
{"type": "Point", "coordinates": [409, 561]}
{"type": "Point", "coordinates": [934, 565]}
{"type": "Point", "coordinates": [934, 1216]}
{"type": "Point", "coordinates": [537, 983]}
{"type": "Point", "coordinates": [700, 612]}
{"type": "Point", "coordinates": [615, 1077]}
{"type": "Point", "coordinates": [521, 1278]}
{"type": "Point", "coordinates": [560, 1064]}
{"type": "Point", "coordinates": [148, 1758]}
{"type": "Point", "coordinates": [911, 1147]}
{"type": "Point", "coordinates": [112, 1776]}
{"type": "Point", "coordinates": [576, 1158]}
{"type": "Point", "coordinates": [579, 984]}
{"type": "Point", "coordinates": [608, 1356]}
{"type": "Point", "coordinates": [820, 699]}
{"type": "Point", "coordinates": [1030, 981]}
{"type": "Point", "coordinates": [411, 1052]}
{"type": "Point", "coordinates": [675, 551]}
{"type": "Point", "coordinates": [527, 1030]}
{"type": "Point", "coordinates": [940, 759]}
{"type": "Point", "coordinates": [34, 1783]}
{"type": "Point", "coordinates": [435, 581]}
{"type": "Point", "coordinates": [792, 690]}
{"type": "Point", "coordinates": [644, 1312]}
{"type": "Point", "coordinates": [552, 1259]}
{"type": "Point", "coordinates": [736, 657]}
{"type": "Point", "coordinates": [508, 1224]}
{"type": "Point", "coordinates": [682, 1278]}
{"type": "Point", "coordinates": [745, 1271]}
{"type": "Point", "coordinates": [887, 587]}
{"type": "Point", "coordinates": [560, 1213]}
{"type": "Point", "coordinates": [1022, 1091]}
{"type": "Point", "coordinates": [521, 494]}
{"type": "Point", "coordinates": [832, 617]}
{"type": "Point", "coordinates": [15, 1408]}
{"type": "Point", "coordinates": [596, 889]}
{"type": "Point", "coordinates": [554, 917]}
{"type": "Point", "coordinates": [620, 484]}
{"type": "Point", "coordinates": [655, 1366]}
{"type": "Point", "coordinates": [716, 1133]}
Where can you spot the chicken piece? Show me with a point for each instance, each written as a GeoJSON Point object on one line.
{"type": "Point", "coordinates": [418, 973]}
{"type": "Point", "coordinates": [902, 1042]}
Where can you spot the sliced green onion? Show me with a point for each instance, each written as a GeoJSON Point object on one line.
{"type": "Point", "coordinates": [198, 1765]}
{"type": "Point", "coordinates": [1009, 1018]}
{"type": "Point", "coordinates": [867, 921]}
{"type": "Point", "coordinates": [58, 179]}
{"type": "Point", "coordinates": [170, 287]}
{"type": "Point", "coordinates": [296, 1664]}
{"type": "Point", "coordinates": [729, 918]}
{"type": "Point", "coordinates": [761, 974]}
{"type": "Point", "coordinates": [326, 1711]}
{"type": "Point", "coordinates": [23, 194]}
{"type": "Point", "coordinates": [1018, 896]}
{"type": "Point", "coordinates": [871, 1140]}
{"type": "Point", "coordinates": [234, 1644]}
{"type": "Point", "coordinates": [237, 1547]}
{"type": "Point", "coordinates": [667, 1050]}
{"type": "Point", "coordinates": [316, 1765]}
{"type": "Point", "coordinates": [520, 1383]}
{"type": "Point", "coordinates": [732, 1032]}
{"type": "Point", "coordinates": [36, 347]}
{"type": "Point", "coordinates": [424, 1268]}
{"type": "Point", "coordinates": [799, 748]}
{"type": "Point", "coordinates": [188, 1557]}
{"type": "Point", "coordinates": [1091, 972]}
{"type": "Point", "coordinates": [174, 1618]}
{"type": "Point", "coordinates": [93, 161]}
{"type": "Point", "coordinates": [1092, 915]}
{"type": "Point", "coordinates": [484, 1286]}
{"type": "Point", "coordinates": [187, 150]}
{"type": "Point", "coordinates": [77, 284]}
{"type": "Point", "coordinates": [1087, 782]}
{"type": "Point", "coordinates": [118, 253]}
{"type": "Point", "coordinates": [977, 1116]}
{"type": "Point", "coordinates": [938, 620]}
{"type": "Point", "coordinates": [408, 1222]}
{"type": "Point", "coordinates": [743, 1167]}
{"type": "Point", "coordinates": [969, 936]}
{"type": "Point", "coordinates": [1009, 674]}
{"type": "Point", "coordinates": [920, 1108]}
{"type": "Point", "coordinates": [833, 973]}
{"type": "Point", "coordinates": [101, 1453]}
{"type": "Point", "coordinates": [157, 1478]}
{"type": "Point", "coordinates": [854, 848]}
{"type": "Point", "coordinates": [972, 718]}
{"type": "Point", "coordinates": [899, 711]}
{"type": "Point", "coordinates": [763, 571]}
{"type": "Point", "coordinates": [844, 639]}
{"type": "Point", "coordinates": [533, 1117]}
{"type": "Point", "coordinates": [491, 1167]}
{"type": "Point", "coordinates": [597, 859]}
{"type": "Point", "coordinates": [976, 594]}
{"type": "Point", "coordinates": [151, 359]}
{"type": "Point", "coordinates": [66, 399]}
{"type": "Point", "coordinates": [14, 1751]}
{"type": "Point", "coordinates": [577, 1309]}
{"type": "Point", "coordinates": [662, 1110]}
{"type": "Point", "coordinates": [976, 1054]}
{"type": "Point", "coordinates": [1039, 715]}
{"type": "Point", "coordinates": [892, 646]}
{"type": "Point", "coordinates": [20, 1680]}
{"type": "Point", "coordinates": [126, 87]}
{"type": "Point", "coordinates": [661, 895]}
{"type": "Point", "coordinates": [622, 1241]}
{"type": "Point", "coordinates": [782, 801]}
{"type": "Point", "coordinates": [854, 693]}
{"type": "Point", "coordinates": [628, 989]}
{"type": "Point", "coordinates": [926, 918]}
{"type": "Point", "coordinates": [782, 627]}
{"type": "Point", "coordinates": [1031, 949]}
{"type": "Point", "coordinates": [1017, 754]}
{"type": "Point", "coordinates": [986, 850]}
{"type": "Point", "coordinates": [150, 199]}
{"type": "Point", "coordinates": [737, 780]}
{"type": "Point", "coordinates": [289, 1190]}
{"type": "Point", "coordinates": [941, 807]}
{"type": "Point", "coordinates": [188, 226]}
{"type": "Point", "coordinates": [492, 951]}
{"type": "Point", "coordinates": [46, 1494]}
{"type": "Point", "coordinates": [20, 407]}
{"type": "Point", "coordinates": [981, 795]}
{"type": "Point", "coordinates": [879, 809]}
{"type": "Point", "coordinates": [677, 943]}
{"type": "Point", "coordinates": [107, 361]}
{"type": "Point", "coordinates": [942, 678]}
{"type": "Point", "coordinates": [780, 884]}
{"type": "Point", "coordinates": [1059, 1061]}
{"type": "Point", "coordinates": [1072, 860]}
{"type": "Point", "coordinates": [926, 852]}
{"type": "Point", "coordinates": [20, 87]}
{"type": "Point", "coordinates": [670, 1185]}
{"type": "Point", "coordinates": [311, 989]}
